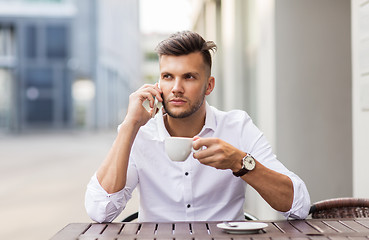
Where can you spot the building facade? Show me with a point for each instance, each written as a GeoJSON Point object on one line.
{"type": "Point", "coordinates": [360, 93]}
{"type": "Point", "coordinates": [66, 63]}
{"type": "Point", "coordinates": [288, 64]}
{"type": "Point", "coordinates": [36, 47]}
{"type": "Point", "coordinates": [119, 59]}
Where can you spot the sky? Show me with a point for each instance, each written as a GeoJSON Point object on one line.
{"type": "Point", "coordinates": [164, 16]}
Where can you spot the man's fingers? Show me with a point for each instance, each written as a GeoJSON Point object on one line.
{"type": "Point", "coordinates": [196, 137]}
{"type": "Point", "coordinates": [153, 90]}
{"type": "Point", "coordinates": [203, 153]}
{"type": "Point", "coordinates": [204, 142]}
{"type": "Point", "coordinates": [210, 161]}
{"type": "Point", "coordinates": [147, 96]}
{"type": "Point", "coordinates": [216, 152]}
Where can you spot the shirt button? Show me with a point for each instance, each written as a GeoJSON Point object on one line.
{"type": "Point", "coordinates": [188, 205]}
{"type": "Point", "coordinates": [186, 173]}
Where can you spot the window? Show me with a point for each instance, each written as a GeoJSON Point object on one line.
{"type": "Point", "coordinates": [39, 77]}
{"type": "Point", "coordinates": [40, 110]}
{"type": "Point", "coordinates": [7, 41]}
{"type": "Point", "coordinates": [5, 97]}
{"type": "Point", "coordinates": [56, 42]}
{"type": "Point", "coordinates": [31, 42]}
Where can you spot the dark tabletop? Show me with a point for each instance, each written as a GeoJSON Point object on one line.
{"type": "Point", "coordinates": [316, 229]}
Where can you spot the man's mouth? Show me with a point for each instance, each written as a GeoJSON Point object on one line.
{"type": "Point", "coordinates": [177, 101]}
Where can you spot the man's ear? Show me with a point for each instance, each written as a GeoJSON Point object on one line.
{"type": "Point", "coordinates": [210, 85]}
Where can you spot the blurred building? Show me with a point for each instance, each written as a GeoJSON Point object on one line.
{"type": "Point", "coordinates": [150, 64]}
{"type": "Point", "coordinates": [119, 59]}
{"type": "Point", "coordinates": [360, 96]}
{"type": "Point", "coordinates": [35, 42]}
{"type": "Point", "coordinates": [288, 64]}
{"type": "Point", "coordinates": [50, 49]}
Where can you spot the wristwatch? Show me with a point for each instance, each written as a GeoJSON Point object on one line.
{"type": "Point", "coordinates": [248, 164]}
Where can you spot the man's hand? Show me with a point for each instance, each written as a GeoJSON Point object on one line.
{"type": "Point", "coordinates": [112, 173]}
{"type": "Point", "coordinates": [137, 113]}
{"type": "Point", "coordinates": [218, 153]}
{"type": "Point", "coordinates": [274, 187]}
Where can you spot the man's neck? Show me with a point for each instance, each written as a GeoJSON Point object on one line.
{"type": "Point", "coordinates": [186, 127]}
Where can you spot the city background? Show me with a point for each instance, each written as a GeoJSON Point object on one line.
{"type": "Point", "coordinates": [299, 68]}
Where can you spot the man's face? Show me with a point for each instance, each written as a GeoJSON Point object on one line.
{"type": "Point", "coordinates": [184, 81]}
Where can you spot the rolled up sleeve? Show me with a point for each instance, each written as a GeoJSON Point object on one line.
{"type": "Point", "coordinates": [301, 199]}
{"type": "Point", "coordinates": [102, 206]}
{"type": "Point", "coordinates": [262, 151]}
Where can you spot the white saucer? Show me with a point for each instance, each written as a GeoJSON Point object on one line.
{"type": "Point", "coordinates": [242, 227]}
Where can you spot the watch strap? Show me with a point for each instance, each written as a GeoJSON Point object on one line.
{"type": "Point", "coordinates": [240, 173]}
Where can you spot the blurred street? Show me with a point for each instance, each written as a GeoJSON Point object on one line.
{"type": "Point", "coordinates": [43, 177]}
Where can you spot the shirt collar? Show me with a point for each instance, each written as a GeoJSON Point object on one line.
{"type": "Point", "coordinates": [210, 122]}
{"type": "Point", "coordinates": [162, 131]}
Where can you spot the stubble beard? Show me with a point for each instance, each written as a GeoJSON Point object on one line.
{"type": "Point", "coordinates": [192, 108]}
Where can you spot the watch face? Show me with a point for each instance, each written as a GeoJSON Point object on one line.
{"type": "Point", "coordinates": [249, 162]}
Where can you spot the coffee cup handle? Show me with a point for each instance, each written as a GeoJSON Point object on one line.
{"type": "Point", "coordinates": [195, 151]}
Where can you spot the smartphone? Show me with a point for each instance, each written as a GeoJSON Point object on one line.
{"type": "Point", "coordinates": [156, 103]}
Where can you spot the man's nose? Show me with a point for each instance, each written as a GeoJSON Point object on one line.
{"type": "Point", "coordinates": [178, 86]}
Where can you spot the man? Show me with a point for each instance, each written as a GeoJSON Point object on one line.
{"type": "Point", "coordinates": [210, 184]}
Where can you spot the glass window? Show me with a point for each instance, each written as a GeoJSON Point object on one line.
{"type": "Point", "coordinates": [7, 40]}
{"type": "Point", "coordinates": [40, 110]}
{"type": "Point", "coordinates": [56, 42]}
{"type": "Point", "coordinates": [31, 42]}
{"type": "Point", "coordinates": [66, 97]}
{"type": "Point", "coordinates": [5, 97]}
{"type": "Point", "coordinates": [39, 77]}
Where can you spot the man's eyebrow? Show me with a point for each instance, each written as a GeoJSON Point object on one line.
{"type": "Point", "coordinates": [184, 74]}
{"type": "Point", "coordinates": [192, 73]}
{"type": "Point", "coordinates": [164, 73]}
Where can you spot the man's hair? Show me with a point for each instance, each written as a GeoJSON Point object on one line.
{"type": "Point", "coordinates": [186, 42]}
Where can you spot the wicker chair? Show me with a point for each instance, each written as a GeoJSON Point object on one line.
{"type": "Point", "coordinates": [341, 208]}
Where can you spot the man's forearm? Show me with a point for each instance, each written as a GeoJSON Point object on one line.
{"type": "Point", "coordinates": [275, 188]}
{"type": "Point", "coordinates": [113, 171]}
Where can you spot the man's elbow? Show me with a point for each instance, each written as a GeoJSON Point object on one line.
{"type": "Point", "coordinates": [95, 214]}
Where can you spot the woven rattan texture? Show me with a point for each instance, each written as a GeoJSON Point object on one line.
{"type": "Point", "coordinates": [347, 212]}
{"type": "Point", "coordinates": [341, 208]}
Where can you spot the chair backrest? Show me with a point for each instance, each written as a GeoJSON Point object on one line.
{"type": "Point", "coordinates": [341, 208]}
{"type": "Point", "coordinates": [131, 217]}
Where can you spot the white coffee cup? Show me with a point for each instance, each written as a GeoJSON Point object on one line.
{"type": "Point", "coordinates": [179, 148]}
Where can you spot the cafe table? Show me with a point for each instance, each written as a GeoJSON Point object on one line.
{"type": "Point", "coordinates": [314, 229]}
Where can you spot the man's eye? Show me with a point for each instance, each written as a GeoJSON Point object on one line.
{"type": "Point", "coordinates": [189, 76]}
{"type": "Point", "coordinates": [166, 76]}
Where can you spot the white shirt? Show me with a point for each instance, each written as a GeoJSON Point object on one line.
{"type": "Point", "coordinates": [189, 190]}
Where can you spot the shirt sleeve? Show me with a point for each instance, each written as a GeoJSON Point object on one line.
{"type": "Point", "coordinates": [104, 207]}
{"type": "Point", "coordinates": [261, 150]}
{"type": "Point", "coordinates": [301, 199]}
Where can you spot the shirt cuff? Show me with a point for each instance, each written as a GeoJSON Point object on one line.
{"type": "Point", "coordinates": [116, 198]}
{"type": "Point", "coordinates": [102, 206]}
{"type": "Point", "coordinates": [301, 200]}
